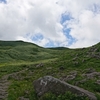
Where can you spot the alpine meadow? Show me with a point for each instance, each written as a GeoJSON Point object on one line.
{"type": "Point", "coordinates": [31, 72]}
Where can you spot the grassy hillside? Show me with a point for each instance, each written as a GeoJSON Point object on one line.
{"type": "Point", "coordinates": [20, 51]}
{"type": "Point", "coordinates": [25, 62]}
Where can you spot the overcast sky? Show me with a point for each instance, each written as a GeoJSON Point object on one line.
{"type": "Point", "coordinates": [51, 23]}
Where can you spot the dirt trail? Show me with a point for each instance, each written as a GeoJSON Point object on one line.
{"type": "Point", "coordinates": [4, 83]}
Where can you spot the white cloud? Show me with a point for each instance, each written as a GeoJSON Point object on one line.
{"type": "Point", "coordinates": [22, 17]}
{"type": "Point", "coordinates": [85, 29]}
{"type": "Point", "coordinates": [27, 16]}
{"type": "Point", "coordinates": [85, 25]}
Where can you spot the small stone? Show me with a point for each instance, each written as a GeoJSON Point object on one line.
{"type": "Point", "coordinates": [39, 65]}
{"type": "Point", "coordinates": [49, 68]}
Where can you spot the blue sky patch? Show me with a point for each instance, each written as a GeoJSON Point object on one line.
{"type": "Point", "coordinates": [37, 37]}
{"type": "Point", "coordinates": [66, 31]}
{"type": "Point", "coordinates": [71, 40]}
{"type": "Point", "coordinates": [96, 8]}
{"type": "Point", "coordinates": [50, 44]}
{"type": "Point", "coordinates": [3, 1]}
{"type": "Point", "coordinates": [65, 17]}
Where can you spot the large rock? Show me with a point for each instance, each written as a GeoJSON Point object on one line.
{"type": "Point", "coordinates": [56, 86]}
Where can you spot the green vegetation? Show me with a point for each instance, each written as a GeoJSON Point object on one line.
{"type": "Point", "coordinates": [24, 59]}
{"type": "Point", "coordinates": [66, 96]}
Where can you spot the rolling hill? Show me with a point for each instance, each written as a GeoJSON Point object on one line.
{"type": "Point", "coordinates": [23, 62]}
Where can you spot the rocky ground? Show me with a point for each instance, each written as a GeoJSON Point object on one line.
{"type": "Point", "coordinates": [51, 83]}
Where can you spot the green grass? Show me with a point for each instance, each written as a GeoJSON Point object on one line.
{"type": "Point", "coordinates": [19, 55]}
{"type": "Point", "coordinates": [67, 96]}
{"type": "Point", "coordinates": [21, 88]}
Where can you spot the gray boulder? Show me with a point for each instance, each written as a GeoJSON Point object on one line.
{"type": "Point", "coordinates": [56, 86]}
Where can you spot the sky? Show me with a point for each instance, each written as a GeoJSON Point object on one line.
{"type": "Point", "coordinates": [51, 23]}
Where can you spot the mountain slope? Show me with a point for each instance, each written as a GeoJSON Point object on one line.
{"type": "Point", "coordinates": [21, 51]}
{"type": "Point", "coordinates": [25, 62]}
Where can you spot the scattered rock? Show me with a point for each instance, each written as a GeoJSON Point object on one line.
{"type": "Point", "coordinates": [49, 68]}
{"type": "Point", "coordinates": [71, 76]}
{"type": "Point", "coordinates": [92, 75]}
{"type": "Point", "coordinates": [75, 62]}
{"type": "Point", "coordinates": [96, 55]}
{"type": "Point", "coordinates": [17, 76]}
{"type": "Point", "coordinates": [93, 49]}
{"type": "Point", "coordinates": [77, 55]}
{"type": "Point", "coordinates": [73, 73]}
{"type": "Point", "coordinates": [39, 65]}
{"type": "Point", "coordinates": [21, 75]}
{"type": "Point", "coordinates": [26, 92]}
{"type": "Point", "coordinates": [54, 85]}
{"type": "Point", "coordinates": [89, 70]}
{"type": "Point", "coordinates": [83, 61]}
{"type": "Point", "coordinates": [80, 82]}
{"type": "Point", "coordinates": [74, 59]}
{"type": "Point", "coordinates": [98, 82]}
